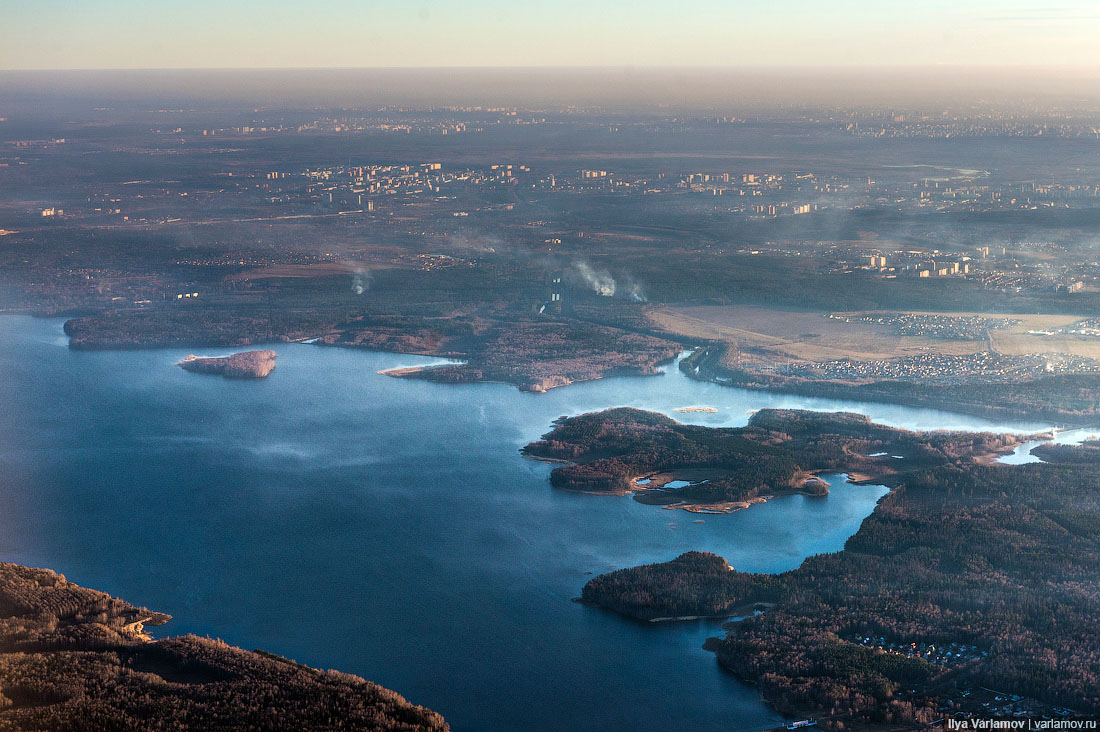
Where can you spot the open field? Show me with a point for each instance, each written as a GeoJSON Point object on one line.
{"type": "Point", "coordinates": [810, 336]}
{"type": "Point", "coordinates": [1016, 341]}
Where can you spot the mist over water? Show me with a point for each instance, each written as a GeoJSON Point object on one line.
{"type": "Point", "coordinates": [388, 528]}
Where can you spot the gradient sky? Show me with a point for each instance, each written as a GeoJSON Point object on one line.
{"type": "Point", "coordinates": [81, 34]}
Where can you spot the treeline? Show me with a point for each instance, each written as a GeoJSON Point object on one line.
{"type": "Point", "coordinates": [76, 659]}
{"type": "Point", "coordinates": [1087, 453]}
{"type": "Point", "coordinates": [1004, 558]}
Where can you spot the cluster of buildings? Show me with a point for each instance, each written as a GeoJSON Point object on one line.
{"type": "Point", "coordinates": [1017, 279]}
{"type": "Point", "coordinates": [1089, 328]}
{"type": "Point", "coordinates": [432, 262]}
{"type": "Point", "coordinates": [904, 263]}
{"type": "Point", "coordinates": [967, 123]}
{"type": "Point", "coordinates": [358, 188]}
{"type": "Point", "coordinates": [946, 327]}
{"type": "Point", "coordinates": [993, 267]}
{"type": "Point", "coordinates": [941, 269]}
{"type": "Point", "coordinates": [399, 120]}
{"type": "Point", "coordinates": [968, 190]}
{"type": "Point", "coordinates": [759, 195]}
{"type": "Point", "coordinates": [951, 654]}
{"type": "Point", "coordinates": [332, 125]}
{"type": "Point", "coordinates": [980, 703]}
{"type": "Point", "coordinates": [939, 368]}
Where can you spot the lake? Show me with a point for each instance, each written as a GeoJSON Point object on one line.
{"type": "Point", "coordinates": [389, 527]}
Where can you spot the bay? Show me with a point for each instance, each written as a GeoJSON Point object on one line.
{"type": "Point", "coordinates": [388, 527]}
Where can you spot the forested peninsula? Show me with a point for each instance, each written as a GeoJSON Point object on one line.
{"type": "Point", "coordinates": [663, 462]}
{"type": "Point", "coordinates": [72, 658]}
{"type": "Point", "coordinates": [968, 576]}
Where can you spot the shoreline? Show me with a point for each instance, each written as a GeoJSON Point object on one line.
{"type": "Point", "coordinates": [424, 373]}
{"type": "Point", "coordinates": [842, 391]}
{"type": "Point", "coordinates": [728, 507]}
{"type": "Point", "coordinates": [1066, 420]}
{"type": "Point", "coordinates": [573, 444]}
{"type": "Point", "coordinates": [707, 509]}
{"type": "Point", "coordinates": [77, 653]}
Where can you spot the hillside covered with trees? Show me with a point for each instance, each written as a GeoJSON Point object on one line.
{"type": "Point", "coordinates": [77, 659]}
{"type": "Point", "coordinates": [997, 563]}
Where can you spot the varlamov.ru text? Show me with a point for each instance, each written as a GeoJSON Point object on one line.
{"type": "Point", "coordinates": [1020, 724]}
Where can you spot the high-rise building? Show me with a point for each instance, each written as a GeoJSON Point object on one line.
{"type": "Point", "coordinates": [555, 292]}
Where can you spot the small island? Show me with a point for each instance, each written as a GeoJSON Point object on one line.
{"type": "Point", "coordinates": [717, 470]}
{"type": "Point", "coordinates": [245, 365]}
{"type": "Point", "coordinates": [73, 658]}
{"type": "Point", "coordinates": [530, 351]}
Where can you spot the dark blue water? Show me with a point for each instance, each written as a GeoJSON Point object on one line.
{"type": "Point", "coordinates": [386, 527]}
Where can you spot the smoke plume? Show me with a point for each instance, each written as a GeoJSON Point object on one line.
{"type": "Point", "coordinates": [601, 281]}
{"type": "Point", "coordinates": [360, 282]}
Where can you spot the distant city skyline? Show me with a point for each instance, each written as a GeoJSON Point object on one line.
{"type": "Point", "coordinates": [96, 34]}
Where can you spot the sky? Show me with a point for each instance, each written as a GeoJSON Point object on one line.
{"type": "Point", "coordinates": [140, 34]}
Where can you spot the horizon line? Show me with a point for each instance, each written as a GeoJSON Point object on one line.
{"type": "Point", "coordinates": [592, 67]}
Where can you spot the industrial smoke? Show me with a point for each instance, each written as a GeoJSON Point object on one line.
{"type": "Point", "coordinates": [360, 282]}
{"type": "Point", "coordinates": [601, 281]}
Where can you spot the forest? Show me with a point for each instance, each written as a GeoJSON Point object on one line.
{"type": "Point", "coordinates": [77, 659]}
{"type": "Point", "coordinates": [779, 450]}
{"type": "Point", "coordinates": [1000, 558]}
